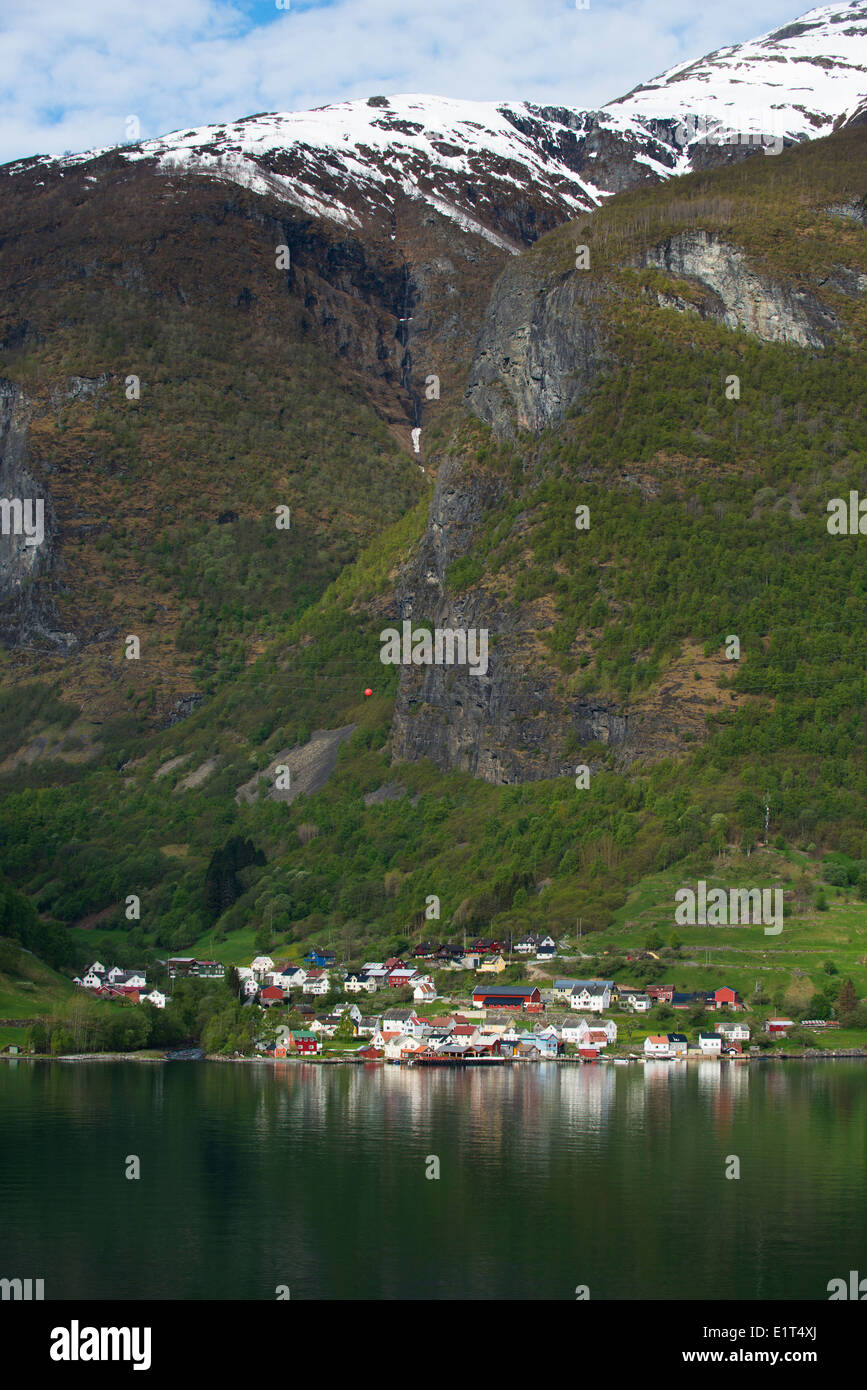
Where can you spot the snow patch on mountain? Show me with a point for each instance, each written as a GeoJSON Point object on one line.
{"type": "Point", "coordinates": [793, 82]}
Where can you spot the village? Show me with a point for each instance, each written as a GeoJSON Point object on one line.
{"type": "Point", "coordinates": [567, 1019]}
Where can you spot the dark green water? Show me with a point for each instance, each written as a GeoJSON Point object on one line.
{"type": "Point", "coordinates": [551, 1177]}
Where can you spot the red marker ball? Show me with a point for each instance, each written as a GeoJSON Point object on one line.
{"type": "Point", "coordinates": [368, 691]}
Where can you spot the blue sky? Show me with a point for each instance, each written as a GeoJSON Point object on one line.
{"type": "Point", "coordinates": [73, 73]}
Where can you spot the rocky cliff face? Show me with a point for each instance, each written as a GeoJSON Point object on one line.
{"type": "Point", "coordinates": [507, 724]}
{"type": "Point", "coordinates": [544, 339]}
{"type": "Point", "coordinates": [741, 298]}
{"type": "Point", "coordinates": [27, 570]}
{"type": "Point", "coordinates": [541, 346]}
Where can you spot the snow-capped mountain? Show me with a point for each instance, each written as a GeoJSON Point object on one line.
{"type": "Point", "coordinates": [795, 82]}
{"type": "Point", "coordinates": [508, 171]}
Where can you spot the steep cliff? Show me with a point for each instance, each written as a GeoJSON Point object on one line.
{"type": "Point", "coordinates": [29, 566]}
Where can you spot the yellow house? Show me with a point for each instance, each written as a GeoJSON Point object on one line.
{"type": "Point", "coordinates": [492, 966]}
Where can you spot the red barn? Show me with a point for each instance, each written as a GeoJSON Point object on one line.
{"type": "Point", "coordinates": [271, 995]}
{"type": "Point", "coordinates": [726, 998]}
{"type": "Point", "coordinates": [508, 997]}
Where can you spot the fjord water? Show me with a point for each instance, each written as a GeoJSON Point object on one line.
{"type": "Point", "coordinates": [255, 1176]}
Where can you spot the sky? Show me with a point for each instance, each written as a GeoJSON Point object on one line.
{"type": "Point", "coordinates": [93, 73]}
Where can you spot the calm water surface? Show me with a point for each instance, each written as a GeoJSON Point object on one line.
{"type": "Point", "coordinates": [551, 1177]}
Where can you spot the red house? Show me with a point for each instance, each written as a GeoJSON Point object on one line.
{"type": "Point", "coordinates": [508, 997]}
{"type": "Point", "coordinates": [271, 995]}
{"type": "Point", "coordinates": [401, 977]}
{"type": "Point", "coordinates": [726, 998]}
{"type": "Point", "coordinates": [661, 994]}
{"type": "Point", "coordinates": [302, 1041]}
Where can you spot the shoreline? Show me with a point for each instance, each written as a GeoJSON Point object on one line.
{"type": "Point", "coordinates": [811, 1056]}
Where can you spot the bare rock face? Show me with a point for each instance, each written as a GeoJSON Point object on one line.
{"type": "Point", "coordinates": [745, 300]}
{"type": "Point", "coordinates": [540, 348]}
{"type": "Point", "coordinates": [507, 724]}
{"type": "Point", "coordinates": [27, 583]}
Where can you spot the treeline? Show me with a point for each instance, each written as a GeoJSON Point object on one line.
{"type": "Point", "coordinates": [201, 1012]}
{"type": "Point", "coordinates": [20, 921]}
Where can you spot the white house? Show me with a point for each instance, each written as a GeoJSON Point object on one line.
{"type": "Point", "coordinates": [402, 1021]}
{"type": "Point", "coordinates": [98, 968]}
{"type": "Point", "coordinates": [572, 1030]}
{"type": "Point", "coordinates": [602, 1025]}
{"type": "Point", "coordinates": [134, 979]}
{"type": "Point", "coordinates": [250, 986]}
{"type": "Point", "coordinates": [92, 980]}
{"type": "Point", "coordinates": [396, 1045]}
{"type": "Point", "coordinates": [260, 965]}
{"type": "Point", "coordinates": [116, 975]}
{"type": "Point", "coordinates": [710, 1043]}
{"type": "Point", "coordinates": [595, 996]}
{"type": "Point", "coordinates": [289, 977]}
{"type": "Point", "coordinates": [734, 1032]}
{"type": "Point", "coordinates": [424, 992]}
{"type": "Point", "coordinates": [351, 1009]}
{"type": "Point", "coordinates": [156, 997]}
{"type": "Point", "coordinates": [316, 983]}
{"type": "Point", "coordinates": [325, 1027]}
{"type": "Point", "coordinates": [656, 1045]}
{"type": "Point", "coordinates": [359, 983]}
{"type": "Point", "coordinates": [527, 945]}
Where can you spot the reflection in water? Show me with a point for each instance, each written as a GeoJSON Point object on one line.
{"type": "Point", "coordinates": [550, 1176]}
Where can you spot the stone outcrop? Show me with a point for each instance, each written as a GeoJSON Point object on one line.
{"type": "Point", "coordinates": [27, 572]}
{"type": "Point", "coordinates": [509, 724]}
{"type": "Point", "coordinates": [743, 299]}
{"type": "Point", "coordinates": [539, 350]}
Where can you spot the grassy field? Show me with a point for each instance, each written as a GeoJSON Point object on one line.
{"type": "Point", "coordinates": [30, 989]}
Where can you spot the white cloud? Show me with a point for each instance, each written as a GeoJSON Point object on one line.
{"type": "Point", "coordinates": [71, 74]}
